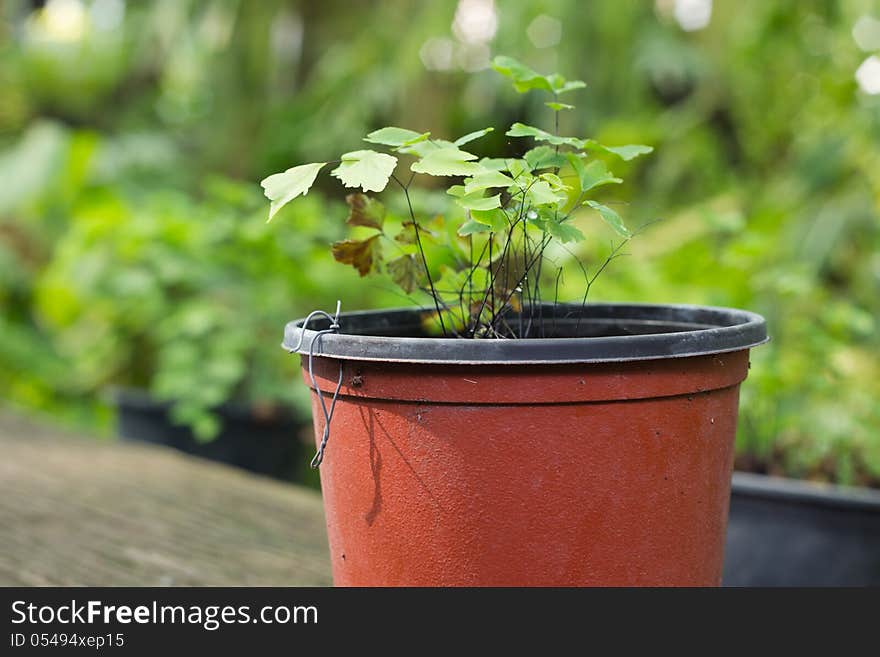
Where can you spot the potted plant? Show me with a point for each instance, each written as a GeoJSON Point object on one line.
{"type": "Point", "coordinates": [498, 436]}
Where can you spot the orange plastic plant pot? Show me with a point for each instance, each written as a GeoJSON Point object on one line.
{"type": "Point", "coordinates": [529, 472]}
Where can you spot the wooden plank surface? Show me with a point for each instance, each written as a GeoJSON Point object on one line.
{"type": "Point", "coordinates": [81, 511]}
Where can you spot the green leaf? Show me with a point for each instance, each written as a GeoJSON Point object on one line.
{"type": "Point", "coordinates": [447, 162]}
{"type": "Point", "coordinates": [495, 219]}
{"type": "Point", "coordinates": [407, 234]}
{"type": "Point", "coordinates": [540, 193]}
{"type": "Point", "coordinates": [281, 188]}
{"type": "Point", "coordinates": [406, 271]}
{"type": "Point", "coordinates": [544, 157]}
{"type": "Point", "coordinates": [628, 152]}
{"type": "Point", "coordinates": [423, 148]}
{"type": "Point", "coordinates": [494, 163]}
{"type": "Point", "coordinates": [557, 107]}
{"type": "Point", "coordinates": [525, 78]}
{"type": "Point", "coordinates": [365, 211]}
{"type": "Point", "coordinates": [517, 168]}
{"type": "Point", "coordinates": [546, 220]}
{"type": "Point", "coordinates": [596, 175]}
{"type": "Point", "coordinates": [476, 201]}
{"type": "Point", "coordinates": [592, 175]}
{"type": "Point", "coordinates": [470, 227]}
{"type": "Point", "coordinates": [577, 165]}
{"type": "Point", "coordinates": [569, 85]}
{"type": "Point", "coordinates": [469, 137]}
{"type": "Point", "coordinates": [368, 170]}
{"type": "Point", "coordinates": [363, 255]}
{"type": "Point", "coordinates": [564, 232]}
{"type": "Point", "coordinates": [486, 180]}
{"type": "Point", "coordinates": [396, 137]}
{"type": "Point", "coordinates": [555, 182]}
{"type": "Point", "coordinates": [611, 218]}
{"type": "Point", "coordinates": [522, 130]}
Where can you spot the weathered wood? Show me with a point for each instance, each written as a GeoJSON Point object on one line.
{"type": "Point", "coordinates": [79, 511]}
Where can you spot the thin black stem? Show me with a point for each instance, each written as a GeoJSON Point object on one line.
{"type": "Point", "coordinates": [469, 282]}
{"type": "Point", "coordinates": [556, 300]}
{"type": "Point", "coordinates": [537, 284]}
{"type": "Point", "coordinates": [531, 263]}
{"type": "Point", "coordinates": [521, 304]}
{"type": "Point", "coordinates": [526, 284]}
{"type": "Point", "coordinates": [412, 215]}
{"type": "Point", "coordinates": [615, 253]}
{"type": "Point", "coordinates": [490, 292]}
{"type": "Point", "coordinates": [556, 123]}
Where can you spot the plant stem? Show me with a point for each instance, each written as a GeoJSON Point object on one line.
{"type": "Point", "coordinates": [412, 215]}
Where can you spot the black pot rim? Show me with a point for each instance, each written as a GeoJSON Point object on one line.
{"type": "Point", "coordinates": [799, 491]}
{"type": "Point", "coordinates": [649, 332]}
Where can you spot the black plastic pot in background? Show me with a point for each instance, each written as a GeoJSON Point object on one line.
{"type": "Point", "coordinates": [783, 532]}
{"type": "Point", "coordinates": [266, 444]}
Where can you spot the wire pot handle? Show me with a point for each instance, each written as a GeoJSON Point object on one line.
{"type": "Point", "coordinates": [328, 414]}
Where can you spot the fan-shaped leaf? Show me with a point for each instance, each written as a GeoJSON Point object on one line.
{"type": "Point", "coordinates": [281, 188]}
{"type": "Point", "coordinates": [494, 163]}
{"type": "Point", "coordinates": [611, 217]}
{"type": "Point", "coordinates": [544, 157]}
{"type": "Point", "coordinates": [569, 85]}
{"type": "Point", "coordinates": [469, 137]}
{"type": "Point", "coordinates": [470, 227]}
{"type": "Point", "coordinates": [525, 78]}
{"type": "Point", "coordinates": [487, 180]}
{"type": "Point", "coordinates": [396, 137]}
{"type": "Point", "coordinates": [592, 175]}
{"type": "Point", "coordinates": [476, 201]}
{"type": "Point", "coordinates": [558, 107]}
{"type": "Point", "coordinates": [495, 219]}
{"type": "Point", "coordinates": [564, 232]}
{"type": "Point", "coordinates": [406, 271]}
{"type": "Point", "coordinates": [363, 255]}
{"type": "Point", "coordinates": [555, 181]}
{"type": "Point", "coordinates": [368, 170]}
{"type": "Point", "coordinates": [628, 152]}
{"type": "Point", "coordinates": [540, 193]}
{"type": "Point", "coordinates": [447, 162]}
{"type": "Point", "coordinates": [523, 130]}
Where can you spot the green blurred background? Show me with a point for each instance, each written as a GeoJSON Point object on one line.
{"type": "Point", "coordinates": [133, 245]}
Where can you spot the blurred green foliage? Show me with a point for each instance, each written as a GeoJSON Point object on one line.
{"type": "Point", "coordinates": [132, 243]}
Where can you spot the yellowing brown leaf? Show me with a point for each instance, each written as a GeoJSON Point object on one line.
{"type": "Point", "coordinates": [365, 211]}
{"type": "Point", "coordinates": [406, 271]}
{"type": "Point", "coordinates": [363, 255]}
